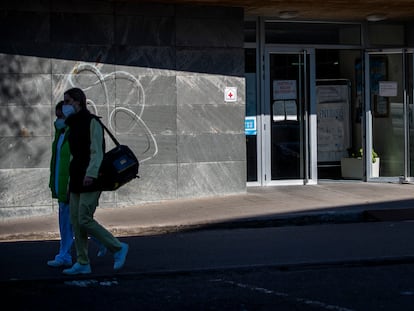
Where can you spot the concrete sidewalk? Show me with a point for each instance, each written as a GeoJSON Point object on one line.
{"type": "Point", "coordinates": [327, 202]}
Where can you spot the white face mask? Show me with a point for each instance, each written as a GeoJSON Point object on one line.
{"type": "Point", "coordinates": [68, 110]}
{"type": "Point", "coordinates": [60, 124]}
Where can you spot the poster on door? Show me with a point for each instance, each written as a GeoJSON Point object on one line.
{"type": "Point", "coordinates": [284, 89]}
{"type": "Point", "coordinates": [333, 122]}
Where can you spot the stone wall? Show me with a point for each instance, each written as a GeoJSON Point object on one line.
{"type": "Point", "coordinates": [155, 73]}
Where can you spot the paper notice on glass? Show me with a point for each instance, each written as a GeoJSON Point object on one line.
{"type": "Point", "coordinates": [388, 88]}
{"type": "Point", "coordinates": [333, 133]}
{"type": "Point", "coordinates": [284, 89]}
{"type": "Point", "coordinates": [279, 111]}
{"type": "Point", "coordinates": [291, 110]}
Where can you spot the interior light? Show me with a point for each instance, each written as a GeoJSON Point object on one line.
{"type": "Point", "coordinates": [288, 14]}
{"type": "Point", "coordinates": [376, 17]}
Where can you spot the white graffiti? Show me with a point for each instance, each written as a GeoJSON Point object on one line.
{"type": "Point", "coordinates": [101, 81]}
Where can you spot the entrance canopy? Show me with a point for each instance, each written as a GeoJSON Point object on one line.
{"type": "Point", "coordinates": [344, 10]}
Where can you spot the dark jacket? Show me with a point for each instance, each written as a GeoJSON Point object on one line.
{"type": "Point", "coordinates": [87, 146]}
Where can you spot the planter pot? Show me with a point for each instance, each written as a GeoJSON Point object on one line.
{"type": "Point", "coordinates": [352, 168]}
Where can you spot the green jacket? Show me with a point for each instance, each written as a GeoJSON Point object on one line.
{"type": "Point", "coordinates": [63, 168]}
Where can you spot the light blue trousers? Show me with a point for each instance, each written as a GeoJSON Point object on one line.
{"type": "Point", "coordinates": [66, 234]}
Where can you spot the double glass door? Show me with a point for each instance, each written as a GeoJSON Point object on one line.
{"type": "Point", "coordinates": [287, 125]}
{"type": "Point", "coordinates": [389, 114]}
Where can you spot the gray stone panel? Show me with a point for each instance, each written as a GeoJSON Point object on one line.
{"type": "Point", "coordinates": [197, 32]}
{"type": "Point", "coordinates": [160, 90]}
{"type": "Point", "coordinates": [203, 12]}
{"type": "Point", "coordinates": [146, 60]}
{"type": "Point", "coordinates": [209, 179]}
{"type": "Point", "coordinates": [156, 182]}
{"type": "Point", "coordinates": [108, 199]}
{"type": "Point", "coordinates": [25, 5]}
{"type": "Point", "coordinates": [160, 119]}
{"type": "Point", "coordinates": [24, 188]}
{"type": "Point", "coordinates": [208, 89]}
{"type": "Point", "coordinates": [70, 28]}
{"type": "Point", "coordinates": [16, 26]}
{"type": "Point", "coordinates": [211, 60]}
{"type": "Point", "coordinates": [140, 92]}
{"type": "Point", "coordinates": [142, 30]}
{"type": "Point", "coordinates": [25, 152]}
{"type": "Point", "coordinates": [197, 119]}
{"type": "Point", "coordinates": [25, 89]}
{"type": "Point", "coordinates": [151, 149]}
{"type": "Point", "coordinates": [84, 59]}
{"type": "Point", "coordinates": [82, 6]}
{"type": "Point", "coordinates": [24, 58]}
{"type": "Point", "coordinates": [25, 121]}
{"type": "Point", "coordinates": [144, 9]}
{"type": "Point", "coordinates": [99, 92]}
{"type": "Point", "coordinates": [211, 148]}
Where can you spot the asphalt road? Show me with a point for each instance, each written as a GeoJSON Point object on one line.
{"type": "Point", "coordinates": [340, 288]}
{"type": "Point", "coordinates": [360, 266]}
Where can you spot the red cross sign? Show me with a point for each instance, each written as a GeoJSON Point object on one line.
{"type": "Point", "coordinates": [230, 94]}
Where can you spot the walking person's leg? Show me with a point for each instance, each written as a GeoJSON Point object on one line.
{"type": "Point", "coordinates": [66, 232]}
{"type": "Point", "coordinates": [81, 238]}
{"type": "Point", "coordinates": [64, 257]}
{"type": "Point", "coordinates": [88, 203]}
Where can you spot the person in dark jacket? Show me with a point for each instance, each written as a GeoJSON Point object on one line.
{"type": "Point", "coordinates": [58, 184]}
{"type": "Point", "coordinates": [87, 147]}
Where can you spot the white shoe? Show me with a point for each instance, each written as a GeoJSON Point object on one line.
{"type": "Point", "coordinates": [57, 263]}
{"type": "Point", "coordinates": [120, 256]}
{"type": "Point", "coordinates": [77, 268]}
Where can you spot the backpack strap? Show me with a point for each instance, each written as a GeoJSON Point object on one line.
{"type": "Point", "coordinates": [108, 131]}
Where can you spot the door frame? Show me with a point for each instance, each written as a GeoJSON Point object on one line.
{"type": "Point", "coordinates": [368, 116]}
{"type": "Point", "coordinates": [310, 126]}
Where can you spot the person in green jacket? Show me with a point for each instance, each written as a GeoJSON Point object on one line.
{"type": "Point", "coordinates": [58, 184]}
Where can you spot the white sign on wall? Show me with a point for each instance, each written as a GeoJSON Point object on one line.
{"type": "Point", "coordinates": [230, 94]}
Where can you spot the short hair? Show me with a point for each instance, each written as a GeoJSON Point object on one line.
{"type": "Point", "coordinates": [78, 95]}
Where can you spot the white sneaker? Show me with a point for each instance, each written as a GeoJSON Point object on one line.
{"type": "Point", "coordinates": [57, 263]}
{"type": "Point", "coordinates": [120, 256]}
{"type": "Point", "coordinates": [77, 268]}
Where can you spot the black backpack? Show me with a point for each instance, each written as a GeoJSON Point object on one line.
{"type": "Point", "coordinates": [119, 165]}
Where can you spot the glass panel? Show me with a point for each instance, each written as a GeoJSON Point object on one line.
{"type": "Point", "coordinates": [251, 114]}
{"type": "Point", "coordinates": [386, 94]}
{"type": "Point", "coordinates": [287, 96]}
{"type": "Point", "coordinates": [385, 34]}
{"type": "Point", "coordinates": [313, 33]}
{"type": "Point", "coordinates": [339, 106]}
{"type": "Point", "coordinates": [250, 31]}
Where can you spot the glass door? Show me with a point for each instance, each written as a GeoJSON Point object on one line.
{"type": "Point", "coordinates": [288, 126]}
{"type": "Point", "coordinates": [389, 115]}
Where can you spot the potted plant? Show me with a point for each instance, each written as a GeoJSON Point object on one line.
{"type": "Point", "coordinates": [352, 167]}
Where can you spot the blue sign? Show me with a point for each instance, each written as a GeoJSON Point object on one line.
{"type": "Point", "coordinates": [250, 126]}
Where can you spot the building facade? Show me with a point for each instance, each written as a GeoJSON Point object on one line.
{"type": "Point", "coordinates": [212, 98]}
{"type": "Point", "coordinates": [156, 73]}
